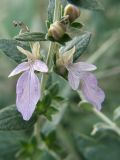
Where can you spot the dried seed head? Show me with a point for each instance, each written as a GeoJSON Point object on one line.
{"type": "Point", "coordinates": [72, 11]}
{"type": "Point", "coordinates": [56, 30]}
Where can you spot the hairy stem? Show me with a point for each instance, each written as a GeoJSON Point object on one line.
{"type": "Point", "coordinates": [105, 119]}
{"type": "Point", "coordinates": [52, 47]}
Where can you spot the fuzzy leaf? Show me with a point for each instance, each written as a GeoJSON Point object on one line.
{"type": "Point", "coordinates": [33, 36]}
{"type": "Point", "coordinates": [10, 119]}
{"type": "Point", "coordinates": [51, 7]}
{"type": "Point", "coordinates": [37, 36]}
{"type": "Point", "coordinates": [80, 43]}
{"type": "Point", "coordinates": [9, 47]}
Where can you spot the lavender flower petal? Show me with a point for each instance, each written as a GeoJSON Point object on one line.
{"type": "Point", "coordinates": [40, 66]}
{"type": "Point", "coordinates": [81, 67]}
{"type": "Point", "coordinates": [20, 68]}
{"type": "Point", "coordinates": [92, 92]}
{"type": "Point", "coordinates": [28, 93]}
{"type": "Point", "coordinates": [76, 71]}
{"type": "Point", "coordinates": [74, 80]}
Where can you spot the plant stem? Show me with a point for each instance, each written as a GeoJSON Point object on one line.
{"type": "Point", "coordinates": [49, 60]}
{"type": "Point", "coordinates": [105, 119]}
{"type": "Point", "coordinates": [37, 131]}
{"type": "Point", "coordinates": [52, 46]}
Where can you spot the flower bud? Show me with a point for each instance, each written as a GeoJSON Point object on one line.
{"type": "Point", "coordinates": [72, 11]}
{"type": "Point", "coordinates": [56, 30]}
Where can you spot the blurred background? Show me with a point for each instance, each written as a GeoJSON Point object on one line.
{"type": "Point", "coordinates": [73, 132]}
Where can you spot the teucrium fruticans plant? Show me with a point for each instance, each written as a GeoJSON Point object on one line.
{"type": "Point", "coordinates": [28, 89]}
{"type": "Point", "coordinates": [67, 42]}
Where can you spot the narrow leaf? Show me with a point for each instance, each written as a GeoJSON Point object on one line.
{"type": "Point", "coordinates": [51, 7]}
{"type": "Point", "coordinates": [33, 36]}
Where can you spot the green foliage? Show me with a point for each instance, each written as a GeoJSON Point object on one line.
{"type": "Point", "coordinates": [51, 7]}
{"type": "Point", "coordinates": [31, 37]}
{"type": "Point", "coordinates": [10, 119]}
{"type": "Point", "coordinates": [48, 106]}
{"type": "Point", "coordinates": [10, 143]}
{"type": "Point", "coordinates": [9, 47]}
{"type": "Point", "coordinates": [28, 37]}
{"type": "Point", "coordinates": [77, 25]}
{"type": "Point", "coordinates": [80, 43]}
{"type": "Point", "coordinates": [104, 147]}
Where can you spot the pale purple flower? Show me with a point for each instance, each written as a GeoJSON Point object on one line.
{"type": "Point", "coordinates": [28, 89]}
{"type": "Point", "coordinates": [80, 77]}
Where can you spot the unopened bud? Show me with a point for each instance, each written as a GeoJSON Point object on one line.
{"type": "Point", "coordinates": [56, 30]}
{"type": "Point", "coordinates": [72, 11]}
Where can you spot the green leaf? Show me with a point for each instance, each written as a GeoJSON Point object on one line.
{"type": "Point", "coordinates": [9, 47]}
{"type": "Point", "coordinates": [10, 142]}
{"type": "Point", "coordinates": [33, 36]}
{"type": "Point", "coordinates": [59, 98]}
{"type": "Point", "coordinates": [117, 113]}
{"type": "Point", "coordinates": [76, 25]}
{"type": "Point", "coordinates": [88, 4]}
{"type": "Point", "coordinates": [54, 89]}
{"type": "Point", "coordinates": [103, 147]}
{"type": "Point", "coordinates": [43, 105]}
{"type": "Point", "coordinates": [50, 111]}
{"type": "Point", "coordinates": [10, 119]}
{"type": "Point", "coordinates": [47, 24]}
{"type": "Point", "coordinates": [51, 7]}
{"type": "Point", "coordinates": [37, 36]}
{"type": "Point", "coordinates": [80, 43]}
